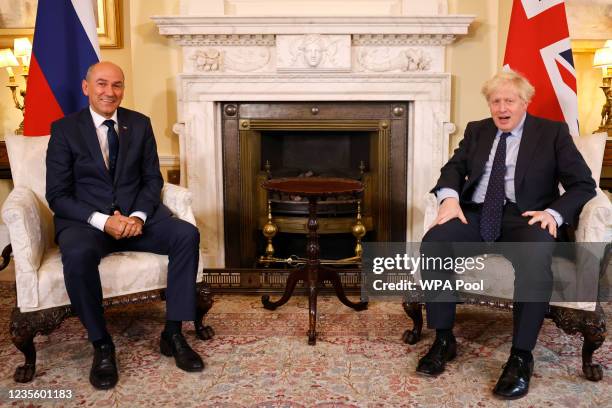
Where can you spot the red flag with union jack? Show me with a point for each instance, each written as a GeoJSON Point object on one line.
{"type": "Point", "coordinates": [538, 47]}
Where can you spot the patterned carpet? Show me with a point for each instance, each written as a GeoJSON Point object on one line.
{"type": "Point", "coordinates": [261, 359]}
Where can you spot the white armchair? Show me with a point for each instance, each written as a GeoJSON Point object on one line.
{"type": "Point", "coordinates": [42, 300]}
{"type": "Point", "coordinates": [587, 318]}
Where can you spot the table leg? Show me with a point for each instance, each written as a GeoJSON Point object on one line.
{"type": "Point", "coordinates": [313, 250]}
{"type": "Point", "coordinates": [332, 276]}
{"type": "Point", "coordinates": [292, 280]}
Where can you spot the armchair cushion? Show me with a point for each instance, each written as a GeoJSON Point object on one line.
{"type": "Point", "coordinates": [121, 273]}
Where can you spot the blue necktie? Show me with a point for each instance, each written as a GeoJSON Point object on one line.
{"type": "Point", "coordinates": [113, 146]}
{"type": "Point", "coordinates": [493, 205]}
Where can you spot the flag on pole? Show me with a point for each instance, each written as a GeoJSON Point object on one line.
{"type": "Point", "coordinates": [65, 45]}
{"type": "Point", "coordinates": [538, 47]}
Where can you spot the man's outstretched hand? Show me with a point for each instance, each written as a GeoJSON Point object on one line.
{"type": "Point", "coordinates": [119, 226]}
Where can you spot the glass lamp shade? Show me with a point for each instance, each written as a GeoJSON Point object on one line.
{"type": "Point", "coordinates": [23, 49]}
{"type": "Point", "coordinates": [603, 58]}
{"type": "Point", "coordinates": [7, 59]}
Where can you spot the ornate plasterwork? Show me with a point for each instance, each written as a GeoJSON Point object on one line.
{"type": "Point", "coordinates": [403, 39]}
{"type": "Point", "coordinates": [390, 59]}
{"type": "Point", "coordinates": [246, 59]}
{"type": "Point", "coordinates": [229, 59]}
{"type": "Point", "coordinates": [224, 39]}
{"type": "Point", "coordinates": [208, 59]}
{"type": "Point", "coordinates": [313, 52]}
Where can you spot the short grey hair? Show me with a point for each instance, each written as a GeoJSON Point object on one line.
{"type": "Point", "coordinates": [522, 84]}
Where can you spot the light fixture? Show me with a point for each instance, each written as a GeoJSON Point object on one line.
{"type": "Point", "coordinates": [8, 59]}
{"type": "Point", "coordinates": [22, 48]}
{"type": "Point", "coordinates": [603, 60]}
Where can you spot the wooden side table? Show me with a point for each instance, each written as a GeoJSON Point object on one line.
{"type": "Point", "coordinates": [313, 188]}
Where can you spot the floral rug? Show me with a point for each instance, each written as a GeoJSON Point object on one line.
{"type": "Point", "coordinates": [260, 358]}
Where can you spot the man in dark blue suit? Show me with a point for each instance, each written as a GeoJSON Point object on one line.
{"type": "Point", "coordinates": [501, 185]}
{"type": "Point", "coordinates": [104, 188]}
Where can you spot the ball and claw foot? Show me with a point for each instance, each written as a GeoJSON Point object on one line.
{"type": "Point", "coordinates": [411, 337]}
{"type": "Point", "coordinates": [24, 373]}
{"type": "Point", "coordinates": [204, 332]}
{"type": "Point", "coordinates": [592, 371]}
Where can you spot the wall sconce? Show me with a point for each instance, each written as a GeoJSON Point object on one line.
{"type": "Point", "coordinates": [603, 60]}
{"type": "Point", "coordinates": [8, 59]}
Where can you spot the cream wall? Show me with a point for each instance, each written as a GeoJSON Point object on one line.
{"type": "Point", "coordinates": [151, 62]}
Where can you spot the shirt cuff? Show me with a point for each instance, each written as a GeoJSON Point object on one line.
{"type": "Point", "coordinates": [444, 193]}
{"type": "Point", "coordinates": [98, 220]}
{"type": "Point", "coordinates": [558, 217]}
{"type": "Point", "coordinates": [140, 214]}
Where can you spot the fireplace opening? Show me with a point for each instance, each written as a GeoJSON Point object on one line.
{"type": "Point", "coordinates": [366, 141]}
{"type": "Point", "coordinates": [315, 153]}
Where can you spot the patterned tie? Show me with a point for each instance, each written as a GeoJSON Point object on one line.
{"type": "Point", "coordinates": [493, 205]}
{"type": "Point", "coordinates": [113, 146]}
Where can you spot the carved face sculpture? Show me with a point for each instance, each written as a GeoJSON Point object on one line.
{"type": "Point", "coordinates": [313, 49]}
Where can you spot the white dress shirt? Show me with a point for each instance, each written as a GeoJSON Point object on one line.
{"type": "Point", "coordinates": [98, 219]}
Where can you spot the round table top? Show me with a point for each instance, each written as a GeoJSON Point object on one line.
{"type": "Point", "coordinates": [314, 186]}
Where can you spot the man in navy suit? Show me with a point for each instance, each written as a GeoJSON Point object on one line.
{"type": "Point", "coordinates": [104, 187]}
{"type": "Point", "coordinates": [501, 185]}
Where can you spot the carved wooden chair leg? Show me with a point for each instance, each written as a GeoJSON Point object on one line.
{"type": "Point", "coordinates": [592, 326]}
{"type": "Point", "coordinates": [415, 312]}
{"type": "Point", "coordinates": [204, 303]}
{"type": "Point", "coordinates": [6, 256]}
{"type": "Point", "coordinates": [24, 327]}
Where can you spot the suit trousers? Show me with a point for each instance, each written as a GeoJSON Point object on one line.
{"type": "Point", "coordinates": [529, 268]}
{"type": "Point", "coordinates": [83, 247]}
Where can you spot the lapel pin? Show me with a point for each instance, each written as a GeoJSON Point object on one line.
{"type": "Point", "coordinates": [123, 127]}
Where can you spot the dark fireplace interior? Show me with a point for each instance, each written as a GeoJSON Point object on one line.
{"type": "Point", "coordinates": [315, 153]}
{"type": "Point", "coordinates": [357, 140]}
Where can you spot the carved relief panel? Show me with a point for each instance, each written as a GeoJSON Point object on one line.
{"type": "Point", "coordinates": [313, 52]}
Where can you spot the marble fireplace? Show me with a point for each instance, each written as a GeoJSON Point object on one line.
{"type": "Point", "coordinates": [396, 60]}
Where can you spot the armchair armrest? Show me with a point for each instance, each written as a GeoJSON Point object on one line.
{"type": "Point", "coordinates": [21, 214]}
{"type": "Point", "coordinates": [595, 223]}
{"type": "Point", "coordinates": [431, 211]}
{"type": "Point", "coordinates": [178, 200]}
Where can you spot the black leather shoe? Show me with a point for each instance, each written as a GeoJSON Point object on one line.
{"type": "Point", "coordinates": [103, 374]}
{"type": "Point", "coordinates": [514, 381]}
{"type": "Point", "coordinates": [441, 351]}
{"type": "Point", "coordinates": [176, 345]}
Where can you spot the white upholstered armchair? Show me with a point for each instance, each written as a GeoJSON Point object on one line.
{"type": "Point", "coordinates": [42, 300]}
{"type": "Point", "coordinates": [587, 318]}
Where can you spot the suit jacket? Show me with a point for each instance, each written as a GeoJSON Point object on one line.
{"type": "Point", "coordinates": [78, 182]}
{"type": "Point", "coordinates": [547, 156]}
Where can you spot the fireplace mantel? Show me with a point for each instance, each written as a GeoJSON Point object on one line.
{"type": "Point", "coordinates": [193, 25]}
{"type": "Point", "coordinates": [243, 59]}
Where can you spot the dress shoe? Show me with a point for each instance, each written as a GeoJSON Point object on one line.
{"type": "Point", "coordinates": [103, 374]}
{"type": "Point", "coordinates": [514, 381]}
{"type": "Point", "coordinates": [441, 351]}
{"type": "Point", "coordinates": [176, 345]}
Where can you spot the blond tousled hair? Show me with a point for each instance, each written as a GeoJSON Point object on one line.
{"type": "Point", "coordinates": [522, 84]}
